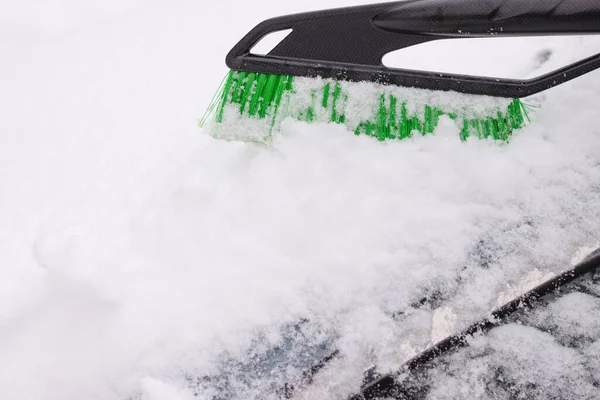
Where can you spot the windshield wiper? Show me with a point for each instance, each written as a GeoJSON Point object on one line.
{"type": "Point", "coordinates": [389, 386]}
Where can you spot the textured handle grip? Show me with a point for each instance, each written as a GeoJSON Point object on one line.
{"type": "Point", "coordinates": [492, 17]}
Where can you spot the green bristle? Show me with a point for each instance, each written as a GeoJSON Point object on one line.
{"type": "Point", "coordinates": [260, 96]}
{"type": "Point", "coordinates": [260, 85]}
{"type": "Point", "coordinates": [336, 97]}
{"type": "Point", "coordinates": [393, 120]}
{"type": "Point", "coordinates": [326, 95]}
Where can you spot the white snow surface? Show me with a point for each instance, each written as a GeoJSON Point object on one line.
{"type": "Point", "coordinates": [136, 249]}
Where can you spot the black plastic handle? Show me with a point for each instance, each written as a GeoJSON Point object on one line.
{"type": "Point", "coordinates": [490, 17]}
{"type": "Point", "coordinates": [349, 43]}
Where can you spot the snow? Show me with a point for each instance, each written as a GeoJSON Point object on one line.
{"type": "Point", "coordinates": [138, 253]}
{"type": "Point", "coordinates": [512, 361]}
{"type": "Point", "coordinates": [549, 353]}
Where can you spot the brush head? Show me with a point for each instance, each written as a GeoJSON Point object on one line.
{"type": "Point", "coordinates": [251, 106]}
{"type": "Point", "coordinates": [329, 69]}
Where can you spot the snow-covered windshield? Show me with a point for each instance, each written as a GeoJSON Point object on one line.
{"type": "Point", "coordinates": [548, 351]}
{"type": "Point", "coordinates": [143, 259]}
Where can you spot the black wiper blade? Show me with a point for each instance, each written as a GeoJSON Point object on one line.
{"type": "Point", "coordinates": [388, 386]}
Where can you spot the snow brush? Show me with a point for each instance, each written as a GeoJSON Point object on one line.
{"type": "Point", "coordinates": [329, 69]}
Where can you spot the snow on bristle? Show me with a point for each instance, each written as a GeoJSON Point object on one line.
{"type": "Point", "coordinates": [381, 111]}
